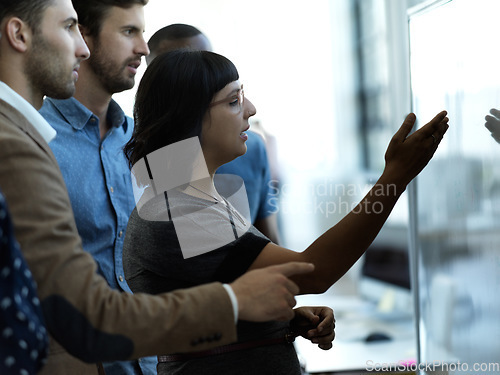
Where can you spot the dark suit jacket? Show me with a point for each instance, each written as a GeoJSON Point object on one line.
{"type": "Point", "coordinates": [84, 316]}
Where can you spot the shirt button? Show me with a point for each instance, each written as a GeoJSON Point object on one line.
{"type": "Point", "coordinates": [120, 234]}
{"type": "Point", "coordinates": [92, 119]}
{"type": "Point", "coordinates": [120, 278]}
{"type": "Point", "coordinates": [111, 189]}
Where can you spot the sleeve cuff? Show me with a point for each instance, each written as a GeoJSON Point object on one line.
{"type": "Point", "coordinates": [234, 300]}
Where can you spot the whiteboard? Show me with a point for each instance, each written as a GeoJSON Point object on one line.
{"type": "Point", "coordinates": [455, 223]}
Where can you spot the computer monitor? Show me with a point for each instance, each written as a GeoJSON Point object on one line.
{"type": "Point", "coordinates": [387, 264]}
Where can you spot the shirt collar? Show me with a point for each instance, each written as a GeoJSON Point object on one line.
{"type": "Point", "coordinates": [77, 115]}
{"type": "Point", "coordinates": [28, 111]}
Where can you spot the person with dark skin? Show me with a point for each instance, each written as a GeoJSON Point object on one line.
{"type": "Point", "coordinates": [196, 98]}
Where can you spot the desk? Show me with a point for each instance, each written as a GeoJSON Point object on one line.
{"type": "Point", "coordinates": [356, 318]}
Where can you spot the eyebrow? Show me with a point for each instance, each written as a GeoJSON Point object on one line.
{"type": "Point", "coordinates": [70, 19]}
{"type": "Point", "coordinates": [131, 27]}
{"type": "Point", "coordinates": [233, 93]}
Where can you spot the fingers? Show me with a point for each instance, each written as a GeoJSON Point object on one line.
{"type": "Point", "coordinates": [293, 268]}
{"type": "Point", "coordinates": [290, 297]}
{"type": "Point", "coordinates": [286, 292]}
{"type": "Point", "coordinates": [292, 288]}
{"type": "Point", "coordinates": [405, 129]}
{"type": "Point", "coordinates": [267, 294]}
{"type": "Point", "coordinates": [432, 125]}
{"type": "Point", "coordinates": [405, 158]}
{"type": "Point", "coordinates": [306, 315]}
{"type": "Point", "coordinates": [437, 126]}
{"type": "Point", "coordinates": [324, 333]}
{"type": "Point", "coordinates": [325, 339]}
{"type": "Point", "coordinates": [325, 346]}
{"type": "Point", "coordinates": [493, 124]}
{"type": "Point", "coordinates": [327, 322]}
{"type": "Point", "coordinates": [495, 112]}
{"type": "Point", "coordinates": [441, 129]}
{"type": "Point", "coordinates": [432, 133]}
{"type": "Point", "coordinates": [434, 129]}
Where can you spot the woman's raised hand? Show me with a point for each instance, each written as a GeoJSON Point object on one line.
{"type": "Point", "coordinates": [407, 155]}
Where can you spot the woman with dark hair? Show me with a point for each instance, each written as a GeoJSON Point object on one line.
{"type": "Point", "coordinates": [191, 116]}
{"type": "Point", "coordinates": [170, 107]}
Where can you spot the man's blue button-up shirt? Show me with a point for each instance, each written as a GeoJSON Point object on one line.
{"type": "Point", "coordinates": [99, 185]}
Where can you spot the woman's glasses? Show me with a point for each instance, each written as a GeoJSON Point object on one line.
{"type": "Point", "coordinates": [239, 97]}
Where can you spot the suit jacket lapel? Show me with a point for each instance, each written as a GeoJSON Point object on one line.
{"type": "Point", "coordinates": [16, 118]}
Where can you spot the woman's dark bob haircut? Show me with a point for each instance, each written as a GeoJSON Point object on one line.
{"type": "Point", "coordinates": [173, 97]}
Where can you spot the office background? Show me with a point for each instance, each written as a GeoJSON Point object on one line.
{"type": "Point", "coordinates": [331, 83]}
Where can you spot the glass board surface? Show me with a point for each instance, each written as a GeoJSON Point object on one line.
{"type": "Point", "coordinates": [455, 65]}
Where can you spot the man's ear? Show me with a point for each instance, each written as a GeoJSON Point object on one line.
{"type": "Point", "coordinates": [18, 34]}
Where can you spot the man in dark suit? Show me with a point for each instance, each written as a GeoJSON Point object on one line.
{"type": "Point", "coordinates": [23, 341]}
{"type": "Point", "coordinates": [40, 52]}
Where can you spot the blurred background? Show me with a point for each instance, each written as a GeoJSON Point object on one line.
{"type": "Point", "coordinates": [332, 80]}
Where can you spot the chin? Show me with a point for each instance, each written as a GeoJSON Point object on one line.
{"type": "Point", "coordinates": [235, 156]}
{"type": "Point", "coordinates": [61, 93]}
{"type": "Point", "coordinates": [241, 154]}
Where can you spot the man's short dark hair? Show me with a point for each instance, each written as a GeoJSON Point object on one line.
{"type": "Point", "coordinates": [172, 32]}
{"type": "Point", "coordinates": [30, 11]}
{"type": "Point", "coordinates": [91, 13]}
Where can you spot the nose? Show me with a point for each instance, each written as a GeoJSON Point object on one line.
{"type": "Point", "coordinates": [142, 47]}
{"type": "Point", "coordinates": [249, 109]}
{"type": "Point", "coordinates": [81, 51]}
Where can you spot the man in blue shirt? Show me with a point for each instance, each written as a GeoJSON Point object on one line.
{"type": "Point", "coordinates": [91, 131]}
